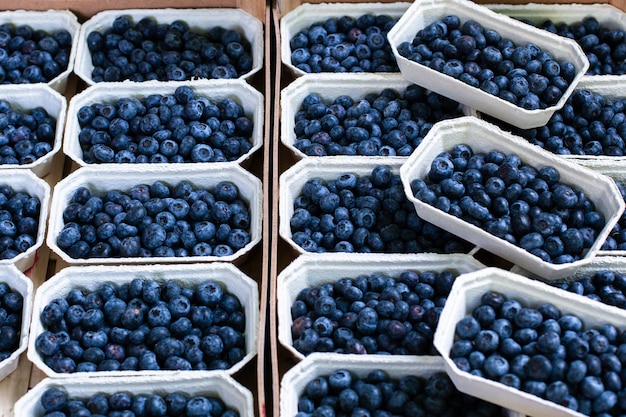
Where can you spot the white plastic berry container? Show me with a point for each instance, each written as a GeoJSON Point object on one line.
{"type": "Point", "coordinates": [330, 86]}
{"type": "Point", "coordinates": [423, 12]}
{"type": "Point", "coordinates": [316, 269]}
{"type": "Point", "coordinates": [328, 169]}
{"type": "Point", "coordinates": [199, 20]}
{"type": "Point", "coordinates": [123, 178]}
{"type": "Point", "coordinates": [303, 16]}
{"type": "Point", "coordinates": [294, 381]}
{"type": "Point", "coordinates": [215, 90]}
{"type": "Point", "coordinates": [89, 278]}
{"type": "Point", "coordinates": [484, 137]}
{"type": "Point", "coordinates": [25, 97]}
{"type": "Point", "coordinates": [234, 395]}
{"type": "Point", "coordinates": [50, 21]}
{"type": "Point", "coordinates": [20, 283]}
{"type": "Point", "coordinates": [465, 296]}
{"type": "Point", "coordinates": [27, 182]}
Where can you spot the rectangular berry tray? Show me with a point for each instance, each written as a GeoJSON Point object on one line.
{"type": "Point", "coordinates": [200, 20]}
{"type": "Point", "coordinates": [25, 97]}
{"type": "Point", "coordinates": [303, 16]}
{"type": "Point", "coordinates": [89, 278]}
{"type": "Point", "coordinates": [423, 12]}
{"type": "Point", "coordinates": [17, 281]}
{"type": "Point", "coordinates": [311, 270]}
{"type": "Point", "coordinates": [27, 182]}
{"type": "Point", "coordinates": [465, 296]}
{"type": "Point", "coordinates": [215, 90]}
{"type": "Point", "coordinates": [49, 21]}
{"type": "Point", "coordinates": [294, 381]}
{"type": "Point", "coordinates": [293, 179]}
{"type": "Point", "coordinates": [484, 137]}
{"type": "Point", "coordinates": [124, 177]}
{"type": "Point", "coordinates": [328, 87]}
{"type": "Point", "coordinates": [234, 395]}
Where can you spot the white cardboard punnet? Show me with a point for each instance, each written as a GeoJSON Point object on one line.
{"type": "Point", "coordinates": [50, 21]}
{"type": "Point", "coordinates": [199, 20]}
{"type": "Point", "coordinates": [215, 90]}
{"type": "Point", "coordinates": [484, 137]}
{"type": "Point", "coordinates": [27, 182]}
{"type": "Point", "coordinates": [25, 97]}
{"type": "Point", "coordinates": [328, 168]}
{"type": "Point", "coordinates": [233, 394]}
{"type": "Point", "coordinates": [423, 12]}
{"type": "Point", "coordinates": [294, 381]}
{"type": "Point", "coordinates": [330, 86]}
{"type": "Point", "coordinates": [465, 296]}
{"type": "Point", "coordinates": [20, 283]}
{"type": "Point", "coordinates": [124, 177]}
{"type": "Point", "coordinates": [89, 278]}
{"type": "Point", "coordinates": [303, 16]}
{"type": "Point", "coordinates": [310, 270]}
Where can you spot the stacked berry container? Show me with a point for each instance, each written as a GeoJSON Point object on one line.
{"type": "Point", "coordinates": [17, 301]}
{"type": "Point", "coordinates": [530, 306]}
{"type": "Point", "coordinates": [218, 393]}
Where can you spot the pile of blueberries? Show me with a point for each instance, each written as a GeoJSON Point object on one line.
{"type": "Point", "coordinates": [25, 136]}
{"type": "Point", "coordinates": [523, 205]}
{"type": "Point", "coordinates": [29, 55]}
{"type": "Point", "coordinates": [606, 286]}
{"type": "Point", "coordinates": [588, 124]}
{"type": "Point", "coordinates": [371, 314]}
{"type": "Point", "coordinates": [57, 403]}
{"type": "Point", "coordinates": [368, 213]}
{"type": "Point", "coordinates": [604, 47]}
{"type": "Point", "coordinates": [156, 220]}
{"type": "Point", "coordinates": [164, 128]}
{"type": "Point", "coordinates": [388, 123]}
{"type": "Point", "coordinates": [11, 304]}
{"type": "Point", "coordinates": [341, 393]}
{"type": "Point", "coordinates": [616, 240]}
{"type": "Point", "coordinates": [143, 325]}
{"type": "Point", "coordinates": [19, 221]}
{"type": "Point", "coordinates": [147, 50]}
{"type": "Point", "coordinates": [345, 44]}
{"type": "Point", "coordinates": [524, 75]}
{"type": "Point", "coordinates": [542, 351]}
